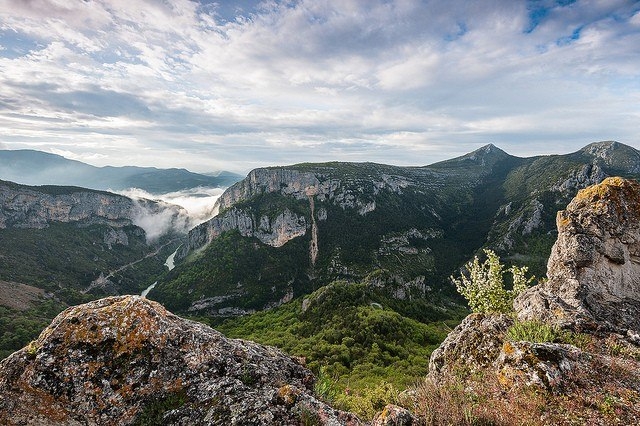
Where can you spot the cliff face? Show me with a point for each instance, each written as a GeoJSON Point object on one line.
{"type": "Point", "coordinates": [301, 186]}
{"type": "Point", "coordinates": [594, 268]}
{"type": "Point", "coordinates": [126, 360]}
{"type": "Point", "coordinates": [323, 222]}
{"type": "Point", "coordinates": [37, 207]}
{"type": "Point", "coordinates": [25, 207]}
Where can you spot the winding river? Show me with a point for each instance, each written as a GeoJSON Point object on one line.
{"type": "Point", "coordinates": [169, 263]}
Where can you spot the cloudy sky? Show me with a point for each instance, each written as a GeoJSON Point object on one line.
{"type": "Point", "coordinates": [234, 85]}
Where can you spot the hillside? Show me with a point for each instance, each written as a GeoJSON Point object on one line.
{"type": "Point", "coordinates": [66, 245]}
{"type": "Point", "coordinates": [283, 232]}
{"type": "Point", "coordinates": [30, 167]}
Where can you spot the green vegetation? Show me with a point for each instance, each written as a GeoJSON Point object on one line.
{"type": "Point", "coordinates": [485, 288]}
{"type": "Point", "coordinates": [63, 259]}
{"type": "Point", "coordinates": [535, 331]}
{"type": "Point", "coordinates": [18, 328]}
{"type": "Point", "coordinates": [243, 271]}
{"type": "Point", "coordinates": [541, 332]}
{"type": "Point", "coordinates": [358, 346]}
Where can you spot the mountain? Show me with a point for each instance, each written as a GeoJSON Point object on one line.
{"type": "Point", "coordinates": [38, 168]}
{"type": "Point", "coordinates": [283, 232]}
{"type": "Point", "coordinates": [66, 245]}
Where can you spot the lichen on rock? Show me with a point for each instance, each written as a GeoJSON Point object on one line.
{"type": "Point", "coordinates": [122, 360]}
{"type": "Point", "coordinates": [594, 267]}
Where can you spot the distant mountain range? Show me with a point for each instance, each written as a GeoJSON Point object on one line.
{"type": "Point", "coordinates": [31, 167]}
{"type": "Point", "coordinates": [285, 231]}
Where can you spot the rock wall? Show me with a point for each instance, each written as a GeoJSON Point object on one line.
{"type": "Point", "coordinates": [37, 207]}
{"type": "Point", "coordinates": [122, 359]}
{"type": "Point", "coordinates": [594, 267]}
{"type": "Point", "coordinates": [593, 289]}
{"type": "Point", "coordinates": [288, 182]}
{"type": "Point", "coordinates": [22, 207]}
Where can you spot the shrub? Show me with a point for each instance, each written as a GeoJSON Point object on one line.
{"type": "Point", "coordinates": [484, 287]}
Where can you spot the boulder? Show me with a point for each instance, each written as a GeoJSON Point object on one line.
{"type": "Point", "coordinates": [393, 415]}
{"type": "Point", "coordinates": [550, 366]}
{"type": "Point", "coordinates": [594, 267]}
{"type": "Point", "coordinates": [126, 360]}
{"type": "Point", "coordinates": [472, 346]}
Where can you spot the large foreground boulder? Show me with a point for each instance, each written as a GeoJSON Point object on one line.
{"type": "Point", "coordinates": [126, 360]}
{"type": "Point", "coordinates": [594, 268]}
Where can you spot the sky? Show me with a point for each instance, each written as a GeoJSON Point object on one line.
{"type": "Point", "coordinates": [234, 85]}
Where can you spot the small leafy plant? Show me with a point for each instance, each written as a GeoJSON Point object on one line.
{"type": "Point", "coordinates": [484, 286]}
{"type": "Point", "coordinates": [536, 331]}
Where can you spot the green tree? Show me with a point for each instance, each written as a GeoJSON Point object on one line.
{"type": "Point", "coordinates": [484, 286]}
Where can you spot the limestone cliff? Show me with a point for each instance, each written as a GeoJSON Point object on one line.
{"type": "Point", "coordinates": [37, 207]}
{"type": "Point", "coordinates": [320, 183]}
{"type": "Point", "coordinates": [594, 268]}
{"type": "Point", "coordinates": [126, 360]}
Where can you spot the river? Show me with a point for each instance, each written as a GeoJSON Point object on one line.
{"type": "Point", "coordinates": [169, 263]}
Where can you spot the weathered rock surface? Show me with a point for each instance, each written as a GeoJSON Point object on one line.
{"type": "Point", "coordinates": [594, 268]}
{"type": "Point", "coordinates": [548, 366]}
{"type": "Point", "coordinates": [274, 232]}
{"type": "Point", "coordinates": [320, 184]}
{"type": "Point", "coordinates": [472, 346]}
{"type": "Point", "coordinates": [393, 415]}
{"type": "Point", "coordinates": [593, 289]}
{"type": "Point", "coordinates": [121, 360]}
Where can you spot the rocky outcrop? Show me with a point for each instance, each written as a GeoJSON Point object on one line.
{"type": "Point", "coordinates": [548, 366]}
{"type": "Point", "coordinates": [37, 207]}
{"type": "Point", "coordinates": [592, 300]}
{"type": "Point", "coordinates": [472, 346]}
{"type": "Point", "coordinates": [123, 360]}
{"type": "Point", "coordinates": [594, 268]}
{"type": "Point", "coordinates": [393, 415]}
{"type": "Point", "coordinates": [272, 231]}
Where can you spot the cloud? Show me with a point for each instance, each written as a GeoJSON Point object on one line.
{"type": "Point", "coordinates": [196, 204]}
{"type": "Point", "coordinates": [212, 85]}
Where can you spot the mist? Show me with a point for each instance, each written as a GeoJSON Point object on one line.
{"type": "Point", "coordinates": [195, 206]}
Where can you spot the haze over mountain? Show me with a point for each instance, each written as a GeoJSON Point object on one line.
{"type": "Point", "coordinates": [285, 231]}
{"type": "Point", "coordinates": [31, 167]}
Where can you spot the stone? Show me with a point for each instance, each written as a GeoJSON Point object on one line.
{"type": "Point", "coordinates": [594, 267]}
{"type": "Point", "coordinates": [393, 415]}
{"type": "Point", "coordinates": [472, 346]}
{"type": "Point", "coordinates": [545, 365]}
{"type": "Point", "coordinates": [122, 360]}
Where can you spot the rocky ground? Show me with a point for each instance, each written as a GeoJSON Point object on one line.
{"type": "Point", "coordinates": [126, 360]}
{"type": "Point", "coordinates": [570, 354]}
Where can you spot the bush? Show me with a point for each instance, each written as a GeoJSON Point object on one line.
{"type": "Point", "coordinates": [484, 288]}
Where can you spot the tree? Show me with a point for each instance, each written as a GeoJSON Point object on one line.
{"type": "Point", "coordinates": [484, 287]}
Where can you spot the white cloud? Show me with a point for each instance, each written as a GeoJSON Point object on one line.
{"type": "Point", "coordinates": [177, 83]}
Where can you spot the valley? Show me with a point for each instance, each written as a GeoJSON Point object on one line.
{"type": "Point", "coordinates": [346, 265]}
